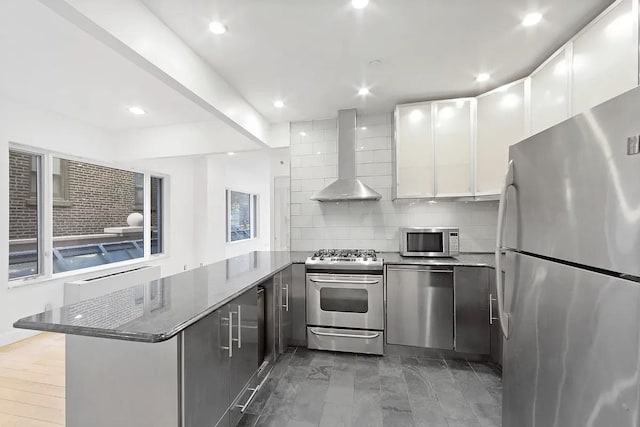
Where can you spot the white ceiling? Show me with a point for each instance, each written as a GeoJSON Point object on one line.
{"type": "Point", "coordinates": [50, 63]}
{"type": "Point", "coordinates": [314, 54]}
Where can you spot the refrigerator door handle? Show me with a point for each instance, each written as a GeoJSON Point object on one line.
{"type": "Point", "coordinates": [504, 317]}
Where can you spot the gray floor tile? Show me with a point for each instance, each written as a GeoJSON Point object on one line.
{"type": "Point", "coordinates": [394, 394]}
{"type": "Point", "coordinates": [248, 420]}
{"type": "Point", "coordinates": [427, 413]}
{"type": "Point", "coordinates": [336, 415]}
{"type": "Point", "coordinates": [341, 388]}
{"type": "Point", "coordinates": [272, 421]}
{"type": "Point", "coordinates": [312, 388]}
{"type": "Point", "coordinates": [367, 410]}
{"type": "Point", "coordinates": [393, 418]}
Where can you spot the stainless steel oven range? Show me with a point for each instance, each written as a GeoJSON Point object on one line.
{"type": "Point", "coordinates": [345, 301]}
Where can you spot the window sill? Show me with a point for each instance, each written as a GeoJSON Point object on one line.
{"type": "Point", "coordinates": [57, 203]}
{"type": "Point", "coordinates": [243, 241]}
{"type": "Point", "coordinates": [85, 273]}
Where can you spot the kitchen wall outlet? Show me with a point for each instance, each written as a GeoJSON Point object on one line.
{"type": "Point", "coordinates": [633, 145]}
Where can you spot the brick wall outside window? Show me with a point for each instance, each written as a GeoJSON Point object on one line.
{"type": "Point", "coordinates": [98, 197]}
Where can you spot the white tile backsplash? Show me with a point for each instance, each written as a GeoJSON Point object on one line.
{"type": "Point", "coordinates": [373, 224]}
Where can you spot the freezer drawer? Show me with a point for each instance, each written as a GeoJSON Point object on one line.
{"type": "Point", "coordinates": [420, 306]}
{"type": "Point", "coordinates": [571, 358]}
{"type": "Point", "coordinates": [348, 340]}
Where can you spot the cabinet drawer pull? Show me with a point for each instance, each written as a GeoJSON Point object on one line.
{"type": "Point", "coordinates": [246, 405]}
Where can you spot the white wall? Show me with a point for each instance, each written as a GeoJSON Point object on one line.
{"type": "Point", "coordinates": [248, 172]}
{"type": "Point", "coordinates": [371, 224]}
{"type": "Point", "coordinates": [32, 126]}
{"type": "Point", "coordinates": [279, 135]}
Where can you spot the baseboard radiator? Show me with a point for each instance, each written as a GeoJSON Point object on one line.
{"type": "Point", "coordinates": [92, 287]}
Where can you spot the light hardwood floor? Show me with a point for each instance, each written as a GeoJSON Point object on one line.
{"type": "Point", "coordinates": [32, 382]}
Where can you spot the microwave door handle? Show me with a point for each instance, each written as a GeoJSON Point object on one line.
{"type": "Point", "coordinates": [502, 316]}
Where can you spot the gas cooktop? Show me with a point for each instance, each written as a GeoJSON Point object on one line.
{"type": "Point", "coordinates": [344, 259]}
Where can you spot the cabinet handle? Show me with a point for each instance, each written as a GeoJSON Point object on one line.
{"type": "Point", "coordinates": [253, 393]}
{"type": "Point", "coordinates": [225, 347]}
{"type": "Point", "coordinates": [239, 326]}
{"type": "Point", "coordinates": [239, 314]}
{"type": "Point", "coordinates": [420, 270]}
{"type": "Point", "coordinates": [286, 299]}
{"type": "Point", "coordinates": [230, 348]}
{"type": "Point", "coordinates": [491, 301]}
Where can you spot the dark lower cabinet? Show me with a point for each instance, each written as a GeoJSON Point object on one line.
{"type": "Point", "coordinates": [284, 283]}
{"type": "Point", "coordinates": [471, 286]}
{"type": "Point", "coordinates": [206, 369]}
{"type": "Point", "coordinates": [219, 359]}
{"type": "Point", "coordinates": [298, 305]}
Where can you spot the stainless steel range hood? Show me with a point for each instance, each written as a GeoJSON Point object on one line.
{"type": "Point", "coordinates": [347, 187]}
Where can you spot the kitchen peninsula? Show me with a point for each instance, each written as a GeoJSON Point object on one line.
{"type": "Point", "coordinates": [175, 351]}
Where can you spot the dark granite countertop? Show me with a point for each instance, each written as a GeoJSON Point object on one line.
{"type": "Point", "coordinates": [463, 260]}
{"type": "Point", "coordinates": [158, 310]}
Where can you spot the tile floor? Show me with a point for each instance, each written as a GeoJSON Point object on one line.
{"type": "Point", "coordinates": [316, 388]}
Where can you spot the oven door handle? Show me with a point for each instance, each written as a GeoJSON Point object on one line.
{"type": "Point", "coordinates": [347, 282]}
{"type": "Point", "coordinates": [332, 334]}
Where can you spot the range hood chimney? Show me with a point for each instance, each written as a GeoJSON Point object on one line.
{"type": "Point", "coordinates": [347, 187]}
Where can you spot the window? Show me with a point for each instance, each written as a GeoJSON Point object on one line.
{"type": "Point", "coordinates": [241, 216]}
{"type": "Point", "coordinates": [157, 188]}
{"type": "Point", "coordinates": [94, 214]}
{"type": "Point", "coordinates": [59, 183]}
{"type": "Point", "coordinates": [24, 214]}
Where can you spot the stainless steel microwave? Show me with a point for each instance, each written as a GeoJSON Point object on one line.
{"type": "Point", "coordinates": [429, 241]}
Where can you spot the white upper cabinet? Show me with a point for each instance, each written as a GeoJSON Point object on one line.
{"type": "Point", "coordinates": [500, 124]}
{"type": "Point", "coordinates": [605, 58]}
{"type": "Point", "coordinates": [414, 151]}
{"type": "Point", "coordinates": [457, 148]}
{"type": "Point", "coordinates": [453, 142]}
{"type": "Point", "coordinates": [549, 97]}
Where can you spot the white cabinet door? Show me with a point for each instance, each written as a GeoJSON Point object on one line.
{"type": "Point", "coordinates": [500, 124]}
{"type": "Point", "coordinates": [414, 151]}
{"type": "Point", "coordinates": [549, 99]}
{"type": "Point", "coordinates": [453, 139]}
{"type": "Point", "coordinates": [605, 59]}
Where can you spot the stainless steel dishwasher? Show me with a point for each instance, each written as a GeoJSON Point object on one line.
{"type": "Point", "coordinates": [420, 306]}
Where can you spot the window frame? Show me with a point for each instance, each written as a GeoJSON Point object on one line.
{"type": "Point", "coordinates": [45, 217]}
{"type": "Point", "coordinates": [254, 204]}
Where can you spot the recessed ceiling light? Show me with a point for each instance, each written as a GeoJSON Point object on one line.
{"type": "Point", "coordinates": [138, 111]}
{"type": "Point", "coordinates": [359, 4]}
{"type": "Point", "coordinates": [79, 316]}
{"type": "Point", "coordinates": [217, 28]}
{"type": "Point", "coordinates": [364, 91]}
{"type": "Point", "coordinates": [363, 128]}
{"type": "Point", "coordinates": [482, 77]}
{"type": "Point", "coordinates": [303, 133]}
{"type": "Point", "coordinates": [278, 103]}
{"type": "Point", "coordinates": [230, 153]}
{"type": "Point", "coordinates": [532, 19]}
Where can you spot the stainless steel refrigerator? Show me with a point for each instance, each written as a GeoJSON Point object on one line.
{"type": "Point", "coordinates": [569, 235]}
